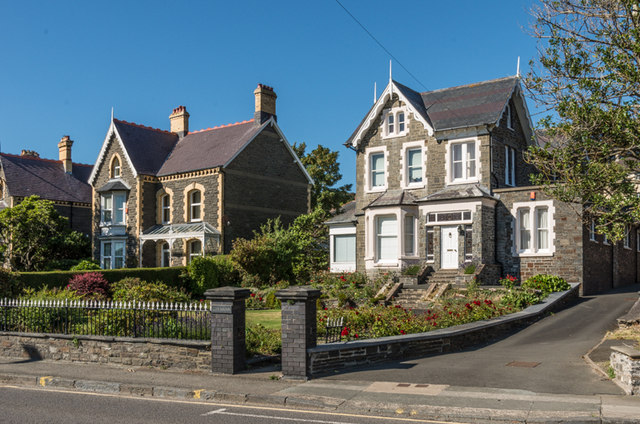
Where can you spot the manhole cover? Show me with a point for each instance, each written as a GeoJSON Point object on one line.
{"type": "Point", "coordinates": [522, 364]}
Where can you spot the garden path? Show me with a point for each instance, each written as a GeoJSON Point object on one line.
{"type": "Point", "coordinates": [545, 357]}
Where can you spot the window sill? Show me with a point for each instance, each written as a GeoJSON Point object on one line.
{"type": "Point", "coordinates": [386, 265]}
{"type": "Point", "coordinates": [533, 254]}
{"type": "Point", "coordinates": [414, 186]}
{"type": "Point", "coordinates": [376, 189]}
{"type": "Point", "coordinates": [593, 241]}
{"type": "Point", "coordinates": [458, 182]}
{"type": "Point", "coordinates": [384, 137]}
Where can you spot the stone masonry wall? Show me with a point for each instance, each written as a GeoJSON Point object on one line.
{"type": "Point", "coordinates": [102, 176]}
{"type": "Point", "coordinates": [625, 361]}
{"type": "Point", "coordinates": [566, 261]}
{"type": "Point", "coordinates": [185, 355]}
{"type": "Point", "coordinates": [263, 182]}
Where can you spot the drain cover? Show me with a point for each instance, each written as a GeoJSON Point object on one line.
{"type": "Point", "coordinates": [522, 364]}
{"type": "Point", "coordinates": [403, 385]}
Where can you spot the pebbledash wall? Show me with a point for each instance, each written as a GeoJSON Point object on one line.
{"type": "Point", "coordinates": [162, 353]}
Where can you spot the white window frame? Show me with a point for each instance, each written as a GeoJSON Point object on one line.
{"type": "Point", "coordinates": [465, 151]}
{"type": "Point", "coordinates": [111, 255]}
{"type": "Point", "coordinates": [605, 240]}
{"type": "Point", "coordinates": [341, 230]}
{"type": "Point", "coordinates": [508, 113]}
{"type": "Point", "coordinates": [391, 122]}
{"type": "Point", "coordinates": [534, 231]}
{"type": "Point", "coordinates": [190, 248]}
{"type": "Point", "coordinates": [193, 205]}
{"type": "Point", "coordinates": [116, 168]}
{"type": "Point", "coordinates": [626, 241]}
{"type": "Point", "coordinates": [379, 237]}
{"type": "Point", "coordinates": [368, 175]}
{"type": "Point", "coordinates": [404, 164]}
{"type": "Point", "coordinates": [165, 210]}
{"type": "Point", "coordinates": [592, 230]}
{"type": "Point", "coordinates": [510, 166]}
{"type": "Point", "coordinates": [113, 202]}
{"type": "Point", "coordinates": [409, 237]}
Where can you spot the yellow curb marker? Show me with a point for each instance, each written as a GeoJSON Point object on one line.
{"type": "Point", "coordinates": [196, 393]}
{"type": "Point", "coordinates": [399, 411]}
{"type": "Point", "coordinates": [45, 380]}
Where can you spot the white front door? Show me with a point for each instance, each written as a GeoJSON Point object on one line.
{"type": "Point", "coordinates": [449, 248]}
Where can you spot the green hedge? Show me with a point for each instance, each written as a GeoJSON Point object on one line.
{"type": "Point", "coordinates": [169, 276]}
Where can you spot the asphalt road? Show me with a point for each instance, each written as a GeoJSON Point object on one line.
{"type": "Point", "coordinates": [545, 357]}
{"type": "Point", "coordinates": [22, 405]}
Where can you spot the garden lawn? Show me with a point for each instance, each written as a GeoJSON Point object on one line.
{"type": "Point", "coordinates": [270, 318]}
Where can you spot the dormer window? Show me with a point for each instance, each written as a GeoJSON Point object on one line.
{"type": "Point", "coordinates": [115, 167]}
{"type": "Point", "coordinates": [395, 123]}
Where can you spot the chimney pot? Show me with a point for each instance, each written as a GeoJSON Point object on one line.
{"type": "Point", "coordinates": [64, 150]}
{"type": "Point", "coordinates": [29, 153]}
{"type": "Point", "coordinates": [180, 121]}
{"type": "Point", "coordinates": [265, 103]}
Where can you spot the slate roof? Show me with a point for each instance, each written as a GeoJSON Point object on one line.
{"type": "Point", "coordinates": [394, 198]}
{"type": "Point", "coordinates": [457, 107]}
{"type": "Point", "coordinates": [114, 185]}
{"type": "Point", "coordinates": [461, 191]}
{"type": "Point", "coordinates": [347, 216]}
{"type": "Point", "coordinates": [28, 175]}
{"type": "Point", "coordinates": [147, 147]}
{"type": "Point", "coordinates": [209, 148]}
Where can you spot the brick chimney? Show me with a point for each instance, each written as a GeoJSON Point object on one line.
{"type": "Point", "coordinates": [64, 149]}
{"type": "Point", "coordinates": [265, 103]}
{"type": "Point", "coordinates": [180, 121]}
{"type": "Point", "coordinates": [30, 153]}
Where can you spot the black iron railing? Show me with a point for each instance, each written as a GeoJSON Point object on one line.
{"type": "Point", "coordinates": [334, 329]}
{"type": "Point", "coordinates": [189, 321]}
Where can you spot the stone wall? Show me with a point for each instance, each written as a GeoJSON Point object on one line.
{"type": "Point", "coordinates": [325, 359]}
{"type": "Point", "coordinates": [79, 217]}
{"type": "Point", "coordinates": [261, 183]}
{"type": "Point", "coordinates": [625, 361]}
{"type": "Point", "coordinates": [178, 354]}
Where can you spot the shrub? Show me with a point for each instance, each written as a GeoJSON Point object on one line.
{"type": "Point", "coordinates": [135, 289]}
{"type": "Point", "coordinates": [469, 267]}
{"type": "Point", "coordinates": [208, 272]}
{"type": "Point", "coordinates": [261, 340]}
{"type": "Point", "coordinates": [546, 283]}
{"type": "Point", "coordinates": [411, 270]}
{"type": "Point", "coordinates": [9, 284]}
{"type": "Point", "coordinates": [508, 282]}
{"type": "Point", "coordinates": [90, 285]}
{"type": "Point", "coordinates": [353, 288]}
{"type": "Point", "coordinates": [45, 293]}
{"type": "Point", "coordinates": [86, 265]}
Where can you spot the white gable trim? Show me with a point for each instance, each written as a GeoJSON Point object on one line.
{"type": "Point", "coordinates": [103, 151]}
{"type": "Point", "coordinates": [273, 123]}
{"type": "Point", "coordinates": [377, 109]}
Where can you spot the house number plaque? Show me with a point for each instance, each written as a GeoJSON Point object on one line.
{"type": "Point", "coordinates": [221, 309]}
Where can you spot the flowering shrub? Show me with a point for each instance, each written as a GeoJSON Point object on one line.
{"type": "Point", "coordinates": [350, 289]}
{"type": "Point", "coordinates": [262, 340]}
{"type": "Point", "coordinates": [90, 285]}
{"type": "Point", "coordinates": [546, 283]}
{"type": "Point", "coordinates": [508, 282]}
{"type": "Point", "coordinates": [381, 321]}
{"type": "Point", "coordinates": [134, 289]}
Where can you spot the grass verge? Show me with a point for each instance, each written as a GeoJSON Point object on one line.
{"type": "Point", "coordinates": [270, 318]}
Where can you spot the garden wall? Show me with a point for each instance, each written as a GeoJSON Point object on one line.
{"type": "Point", "coordinates": [335, 356]}
{"type": "Point", "coordinates": [625, 361]}
{"type": "Point", "coordinates": [163, 353]}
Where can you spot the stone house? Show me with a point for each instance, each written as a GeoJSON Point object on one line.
{"type": "Point", "coordinates": [61, 181]}
{"type": "Point", "coordinates": [441, 181]}
{"type": "Point", "coordinates": [162, 197]}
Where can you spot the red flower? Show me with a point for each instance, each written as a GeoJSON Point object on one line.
{"type": "Point", "coordinates": [468, 306]}
{"type": "Point", "coordinates": [355, 335]}
{"type": "Point", "coordinates": [344, 332]}
{"type": "Point", "coordinates": [253, 295]}
{"type": "Point", "coordinates": [342, 278]}
{"type": "Point", "coordinates": [402, 332]}
{"type": "Point", "coordinates": [260, 299]}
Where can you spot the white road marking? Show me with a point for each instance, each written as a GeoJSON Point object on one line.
{"type": "Point", "coordinates": [300, 420]}
{"type": "Point", "coordinates": [217, 411]}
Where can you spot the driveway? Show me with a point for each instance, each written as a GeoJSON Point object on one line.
{"type": "Point", "coordinates": [545, 357]}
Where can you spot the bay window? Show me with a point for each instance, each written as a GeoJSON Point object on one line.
{"type": "Point", "coordinates": [113, 208]}
{"type": "Point", "coordinates": [112, 254]}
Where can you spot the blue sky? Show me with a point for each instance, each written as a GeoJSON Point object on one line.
{"type": "Point", "coordinates": [65, 64]}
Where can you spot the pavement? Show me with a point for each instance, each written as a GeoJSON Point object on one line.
{"type": "Point", "coordinates": [480, 387]}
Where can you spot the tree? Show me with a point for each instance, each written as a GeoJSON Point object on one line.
{"type": "Point", "coordinates": [322, 165]}
{"type": "Point", "coordinates": [588, 71]}
{"type": "Point", "coordinates": [34, 234]}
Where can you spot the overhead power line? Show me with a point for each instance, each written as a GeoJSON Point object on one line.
{"type": "Point", "coordinates": [381, 45]}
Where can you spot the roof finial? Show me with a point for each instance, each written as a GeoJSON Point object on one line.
{"type": "Point", "coordinates": [111, 113]}
{"type": "Point", "coordinates": [390, 77]}
{"type": "Point", "coordinates": [518, 68]}
{"type": "Point", "coordinates": [375, 92]}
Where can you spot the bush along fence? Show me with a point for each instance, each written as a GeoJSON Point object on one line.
{"type": "Point", "coordinates": [302, 358]}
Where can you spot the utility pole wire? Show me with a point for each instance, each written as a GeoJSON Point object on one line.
{"type": "Point", "coordinates": [380, 44]}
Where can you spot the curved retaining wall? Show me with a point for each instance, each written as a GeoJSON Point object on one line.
{"type": "Point", "coordinates": [335, 356]}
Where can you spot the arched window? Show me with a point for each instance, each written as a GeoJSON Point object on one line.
{"type": "Point", "coordinates": [115, 168]}
{"type": "Point", "coordinates": [195, 206]}
{"type": "Point", "coordinates": [195, 249]}
{"type": "Point", "coordinates": [166, 209]}
{"type": "Point", "coordinates": [166, 255]}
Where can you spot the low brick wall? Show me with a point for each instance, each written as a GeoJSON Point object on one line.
{"type": "Point", "coordinates": [625, 361]}
{"type": "Point", "coordinates": [164, 353]}
{"type": "Point", "coordinates": [326, 358]}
